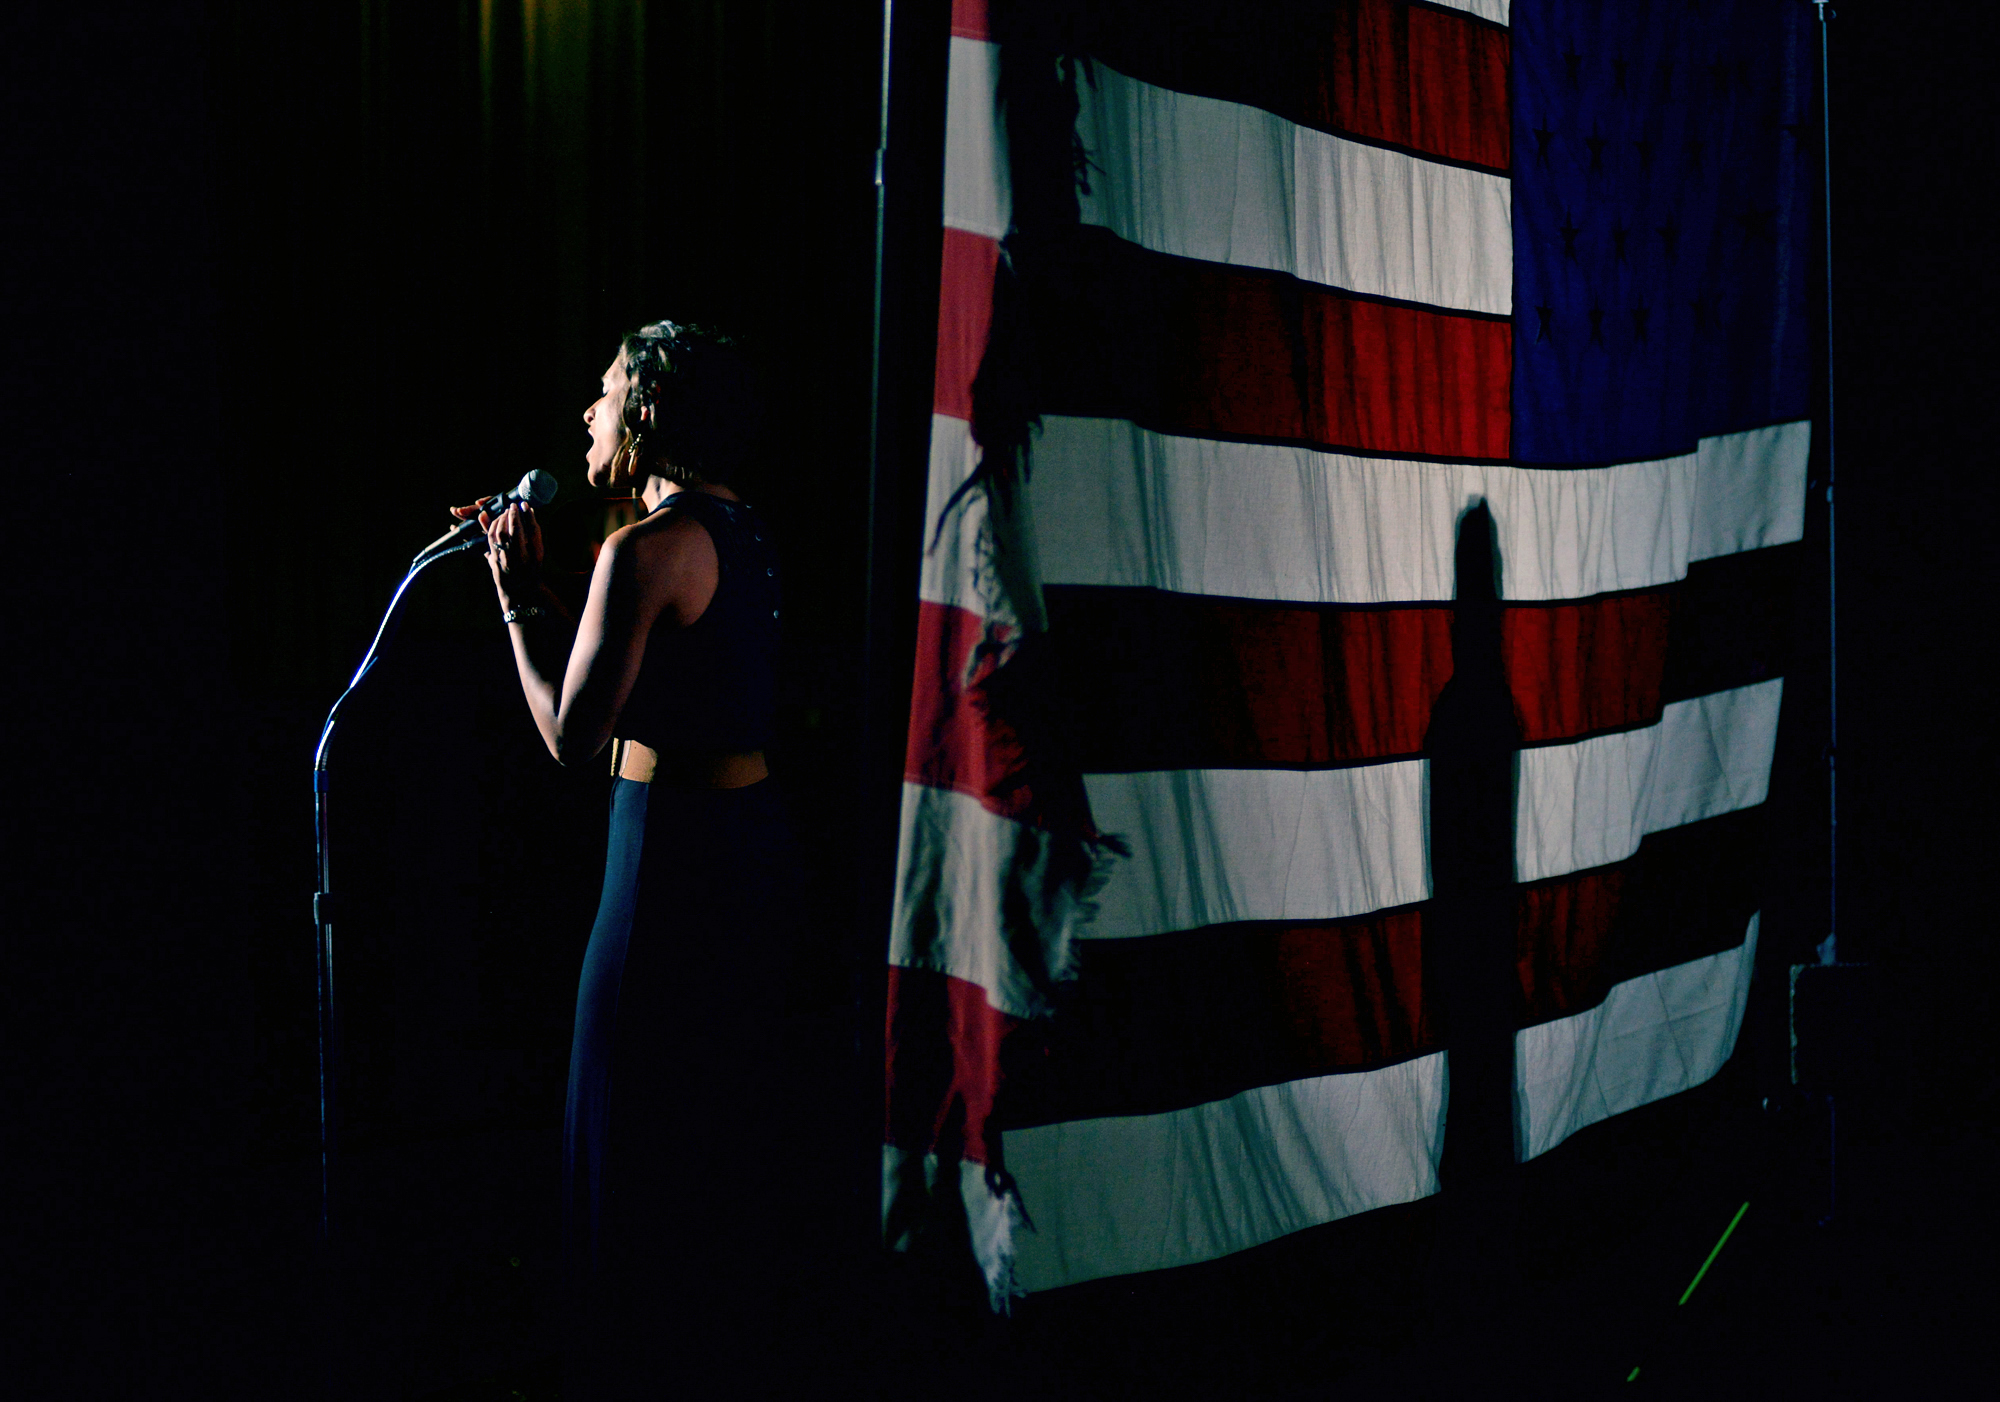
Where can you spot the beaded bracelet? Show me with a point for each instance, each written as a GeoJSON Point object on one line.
{"type": "Point", "coordinates": [522, 615]}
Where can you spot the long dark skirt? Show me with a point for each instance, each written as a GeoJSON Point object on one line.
{"type": "Point", "coordinates": [674, 1151]}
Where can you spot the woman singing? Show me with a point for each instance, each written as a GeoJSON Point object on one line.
{"type": "Point", "coordinates": [676, 1088]}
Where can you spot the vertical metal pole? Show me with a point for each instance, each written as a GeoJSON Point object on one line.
{"type": "Point", "coordinates": [329, 1294]}
{"type": "Point", "coordinates": [1831, 949]}
{"type": "Point", "coordinates": [323, 961]}
{"type": "Point", "coordinates": [881, 221]}
{"type": "Point", "coordinates": [869, 1006]}
{"type": "Point", "coordinates": [909, 240]}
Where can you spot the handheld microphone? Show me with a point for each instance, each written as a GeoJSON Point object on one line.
{"type": "Point", "coordinates": [537, 488]}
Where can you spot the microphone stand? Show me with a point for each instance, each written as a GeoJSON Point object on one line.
{"type": "Point", "coordinates": [324, 909]}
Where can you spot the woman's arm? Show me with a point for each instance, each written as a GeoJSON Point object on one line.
{"type": "Point", "coordinates": [602, 663]}
{"type": "Point", "coordinates": [543, 638]}
{"type": "Point", "coordinates": [576, 676]}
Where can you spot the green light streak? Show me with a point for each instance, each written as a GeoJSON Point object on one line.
{"type": "Point", "coordinates": [1720, 1242]}
{"type": "Point", "coordinates": [1712, 1255]}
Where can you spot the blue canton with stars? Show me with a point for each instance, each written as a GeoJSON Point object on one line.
{"type": "Point", "coordinates": [1663, 192]}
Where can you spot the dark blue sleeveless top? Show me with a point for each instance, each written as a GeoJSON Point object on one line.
{"type": "Point", "coordinates": [712, 686]}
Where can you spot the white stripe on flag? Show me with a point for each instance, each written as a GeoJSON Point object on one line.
{"type": "Point", "coordinates": [991, 1221]}
{"type": "Point", "coordinates": [1198, 177]}
{"type": "Point", "coordinates": [1212, 846]}
{"type": "Point", "coordinates": [1215, 846]}
{"type": "Point", "coordinates": [1651, 1037]}
{"type": "Point", "coordinates": [1120, 505]}
{"type": "Point", "coordinates": [1587, 804]}
{"type": "Point", "coordinates": [1750, 489]}
{"type": "Point", "coordinates": [1495, 10]}
{"type": "Point", "coordinates": [977, 195]}
{"type": "Point", "coordinates": [960, 870]}
{"type": "Point", "coordinates": [952, 572]}
{"type": "Point", "coordinates": [1146, 1192]}
{"type": "Point", "coordinates": [1115, 504]}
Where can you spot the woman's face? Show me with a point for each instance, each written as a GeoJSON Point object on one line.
{"type": "Point", "coordinates": [606, 421]}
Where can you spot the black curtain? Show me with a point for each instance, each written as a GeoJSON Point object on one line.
{"type": "Point", "coordinates": [310, 273]}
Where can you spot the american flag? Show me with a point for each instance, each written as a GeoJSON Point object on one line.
{"type": "Point", "coordinates": [1242, 308]}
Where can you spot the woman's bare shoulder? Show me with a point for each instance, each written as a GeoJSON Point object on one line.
{"type": "Point", "coordinates": [669, 554]}
{"type": "Point", "coordinates": [662, 534]}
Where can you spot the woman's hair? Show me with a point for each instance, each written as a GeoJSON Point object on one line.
{"type": "Point", "coordinates": [703, 394]}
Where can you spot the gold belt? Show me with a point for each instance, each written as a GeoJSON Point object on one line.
{"type": "Point", "coordinates": [684, 768]}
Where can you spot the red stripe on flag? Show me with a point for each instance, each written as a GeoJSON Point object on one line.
{"type": "Point", "coordinates": [1426, 79]}
{"type": "Point", "coordinates": [1579, 668]}
{"type": "Point", "coordinates": [1382, 377]}
{"type": "Point", "coordinates": [1561, 932]}
{"type": "Point", "coordinates": [959, 739]}
{"type": "Point", "coordinates": [942, 1064]}
{"type": "Point", "coordinates": [1207, 350]}
{"type": "Point", "coordinates": [1430, 81]}
{"type": "Point", "coordinates": [1338, 686]}
{"type": "Point", "coordinates": [1176, 681]}
{"type": "Point", "coordinates": [1167, 1021]}
{"type": "Point", "coordinates": [1352, 994]}
{"type": "Point", "coordinates": [954, 744]}
{"type": "Point", "coordinates": [965, 314]}
{"type": "Point", "coordinates": [968, 19]}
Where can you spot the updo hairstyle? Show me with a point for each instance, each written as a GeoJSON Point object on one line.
{"type": "Point", "coordinates": [703, 394]}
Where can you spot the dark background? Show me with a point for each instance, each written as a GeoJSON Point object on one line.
{"type": "Point", "coordinates": [289, 279]}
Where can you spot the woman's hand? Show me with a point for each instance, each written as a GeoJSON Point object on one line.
{"type": "Point", "coordinates": [513, 550]}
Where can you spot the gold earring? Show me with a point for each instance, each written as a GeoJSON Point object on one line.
{"type": "Point", "coordinates": [624, 470]}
